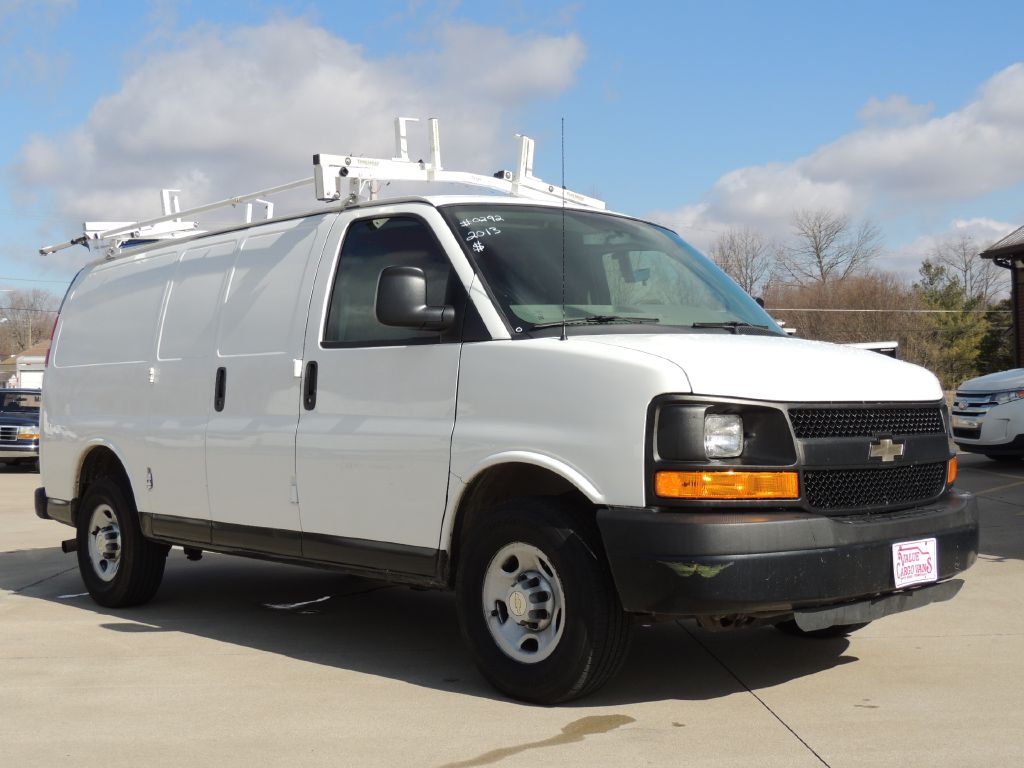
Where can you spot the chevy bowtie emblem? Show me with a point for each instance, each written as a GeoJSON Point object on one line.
{"type": "Point", "coordinates": [886, 450]}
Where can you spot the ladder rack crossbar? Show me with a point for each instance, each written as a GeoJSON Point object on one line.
{"type": "Point", "coordinates": [333, 170]}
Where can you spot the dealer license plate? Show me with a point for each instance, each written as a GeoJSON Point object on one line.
{"type": "Point", "coordinates": [915, 562]}
{"type": "Point", "coordinates": [962, 422]}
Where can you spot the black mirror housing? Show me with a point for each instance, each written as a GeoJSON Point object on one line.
{"type": "Point", "coordinates": [402, 301]}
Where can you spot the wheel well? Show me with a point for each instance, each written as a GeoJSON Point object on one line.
{"type": "Point", "coordinates": [98, 463]}
{"type": "Point", "coordinates": [503, 482]}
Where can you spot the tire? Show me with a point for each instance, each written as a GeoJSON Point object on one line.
{"type": "Point", "coordinates": [839, 630]}
{"type": "Point", "coordinates": [540, 552]}
{"type": "Point", "coordinates": [120, 568]}
{"type": "Point", "coordinates": [1003, 458]}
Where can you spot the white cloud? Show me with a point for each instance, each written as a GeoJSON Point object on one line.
{"type": "Point", "coordinates": [895, 110]}
{"type": "Point", "coordinates": [899, 159]}
{"type": "Point", "coordinates": [986, 231]}
{"type": "Point", "coordinates": [229, 112]}
{"type": "Point", "coordinates": [906, 260]}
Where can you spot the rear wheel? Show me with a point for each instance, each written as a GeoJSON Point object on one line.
{"type": "Point", "coordinates": [120, 568]}
{"type": "Point", "coordinates": [537, 606]}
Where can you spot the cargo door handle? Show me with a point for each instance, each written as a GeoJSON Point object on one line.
{"type": "Point", "coordinates": [220, 388]}
{"type": "Point", "coordinates": [309, 387]}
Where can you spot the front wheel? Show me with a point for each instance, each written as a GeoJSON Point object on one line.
{"type": "Point", "coordinates": [120, 568]}
{"type": "Point", "coordinates": [537, 606]}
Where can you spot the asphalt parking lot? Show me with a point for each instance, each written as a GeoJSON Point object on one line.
{"type": "Point", "coordinates": [238, 662]}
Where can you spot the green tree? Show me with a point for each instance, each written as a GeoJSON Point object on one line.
{"type": "Point", "coordinates": [951, 340]}
{"type": "Point", "coordinates": [996, 353]}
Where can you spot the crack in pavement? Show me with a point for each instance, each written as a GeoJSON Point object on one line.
{"type": "Point", "coordinates": [747, 688]}
{"type": "Point", "coordinates": [19, 590]}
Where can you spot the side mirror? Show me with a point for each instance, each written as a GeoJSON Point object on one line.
{"type": "Point", "coordinates": [402, 301]}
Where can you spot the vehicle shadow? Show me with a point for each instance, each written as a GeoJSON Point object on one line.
{"type": "Point", "coordinates": [19, 467]}
{"type": "Point", "coordinates": [410, 635]}
{"type": "Point", "coordinates": [999, 486]}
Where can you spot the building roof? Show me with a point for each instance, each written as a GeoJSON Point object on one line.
{"type": "Point", "coordinates": [1011, 245]}
{"type": "Point", "coordinates": [36, 350]}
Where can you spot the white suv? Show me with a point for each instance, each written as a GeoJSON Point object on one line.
{"type": "Point", "coordinates": [988, 415]}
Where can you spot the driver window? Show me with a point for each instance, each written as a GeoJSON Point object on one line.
{"type": "Point", "coordinates": [370, 246]}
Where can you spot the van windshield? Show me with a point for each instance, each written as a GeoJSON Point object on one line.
{"type": "Point", "coordinates": [619, 272]}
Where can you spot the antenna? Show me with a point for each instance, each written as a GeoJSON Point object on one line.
{"type": "Point", "coordinates": [564, 337]}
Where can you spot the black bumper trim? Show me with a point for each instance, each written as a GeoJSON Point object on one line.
{"type": "Point", "coordinates": [693, 564]}
{"type": "Point", "coordinates": [811, 619]}
{"type": "Point", "coordinates": [1013, 447]}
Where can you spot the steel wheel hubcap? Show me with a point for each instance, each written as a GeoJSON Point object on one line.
{"type": "Point", "coordinates": [523, 602]}
{"type": "Point", "coordinates": [104, 542]}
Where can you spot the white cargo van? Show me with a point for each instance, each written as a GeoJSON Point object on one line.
{"type": "Point", "coordinates": [568, 416]}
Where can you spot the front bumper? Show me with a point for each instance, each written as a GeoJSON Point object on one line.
{"type": "Point", "coordinates": [28, 450]}
{"type": "Point", "coordinates": [738, 562]}
{"type": "Point", "coordinates": [1014, 447]}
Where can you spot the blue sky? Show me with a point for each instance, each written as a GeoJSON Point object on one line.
{"type": "Point", "coordinates": [704, 116]}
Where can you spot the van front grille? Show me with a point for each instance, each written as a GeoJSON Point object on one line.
{"type": "Point", "coordinates": [8, 434]}
{"type": "Point", "coordinates": [847, 489]}
{"type": "Point", "coordinates": [865, 422]}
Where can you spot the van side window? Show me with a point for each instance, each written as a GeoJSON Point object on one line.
{"type": "Point", "coordinates": [371, 245]}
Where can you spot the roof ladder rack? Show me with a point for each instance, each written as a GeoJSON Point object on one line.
{"type": "Point", "coordinates": [331, 172]}
{"type": "Point", "coordinates": [364, 175]}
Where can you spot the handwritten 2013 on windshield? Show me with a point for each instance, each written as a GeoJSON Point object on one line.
{"type": "Point", "coordinates": [476, 234]}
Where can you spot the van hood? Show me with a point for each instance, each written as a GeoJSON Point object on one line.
{"type": "Point", "coordinates": [782, 369]}
{"type": "Point", "coordinates": [995, 382]}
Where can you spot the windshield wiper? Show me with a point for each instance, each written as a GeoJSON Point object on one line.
{"type": "Point", "coordinates": [596, 320]}
{"type": "Point", "coordinates": [732, 325]}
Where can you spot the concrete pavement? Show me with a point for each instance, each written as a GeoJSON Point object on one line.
{"type": "Point", "coordinates": [223, 669]}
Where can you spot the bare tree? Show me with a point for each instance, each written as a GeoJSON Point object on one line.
{"type": "Point", "coordinates": [26, 317]}
{"type": "Point", "coordinates": [864, 307]}
{"type": "Point", "coordinates": [828, 247]}
{"type": "Point", "coordinates": [747, 257]}
{"type": "Point", "coordinates": [982, 280]}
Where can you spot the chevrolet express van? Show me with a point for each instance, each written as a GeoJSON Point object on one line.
{"type": "Point", "coordinates": [569, 417]}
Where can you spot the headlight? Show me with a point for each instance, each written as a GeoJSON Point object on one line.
{"type": "Point", "coordinates": [1006, 397]}
{"type": "Point", "coordinates": [28, 433]}
{"type": "Point", "coordinates": [723, 436]}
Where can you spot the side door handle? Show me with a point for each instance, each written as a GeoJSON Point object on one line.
{"type": "Point", "coordinates": [309, 387]}
{"type": "Point", "coordinates": [220, 388]}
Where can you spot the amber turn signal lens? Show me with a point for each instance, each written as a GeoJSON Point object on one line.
{"type": "Point", "coordinates": [727, 485]}
{"type": "Point", "coordinates": [951, 471]}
